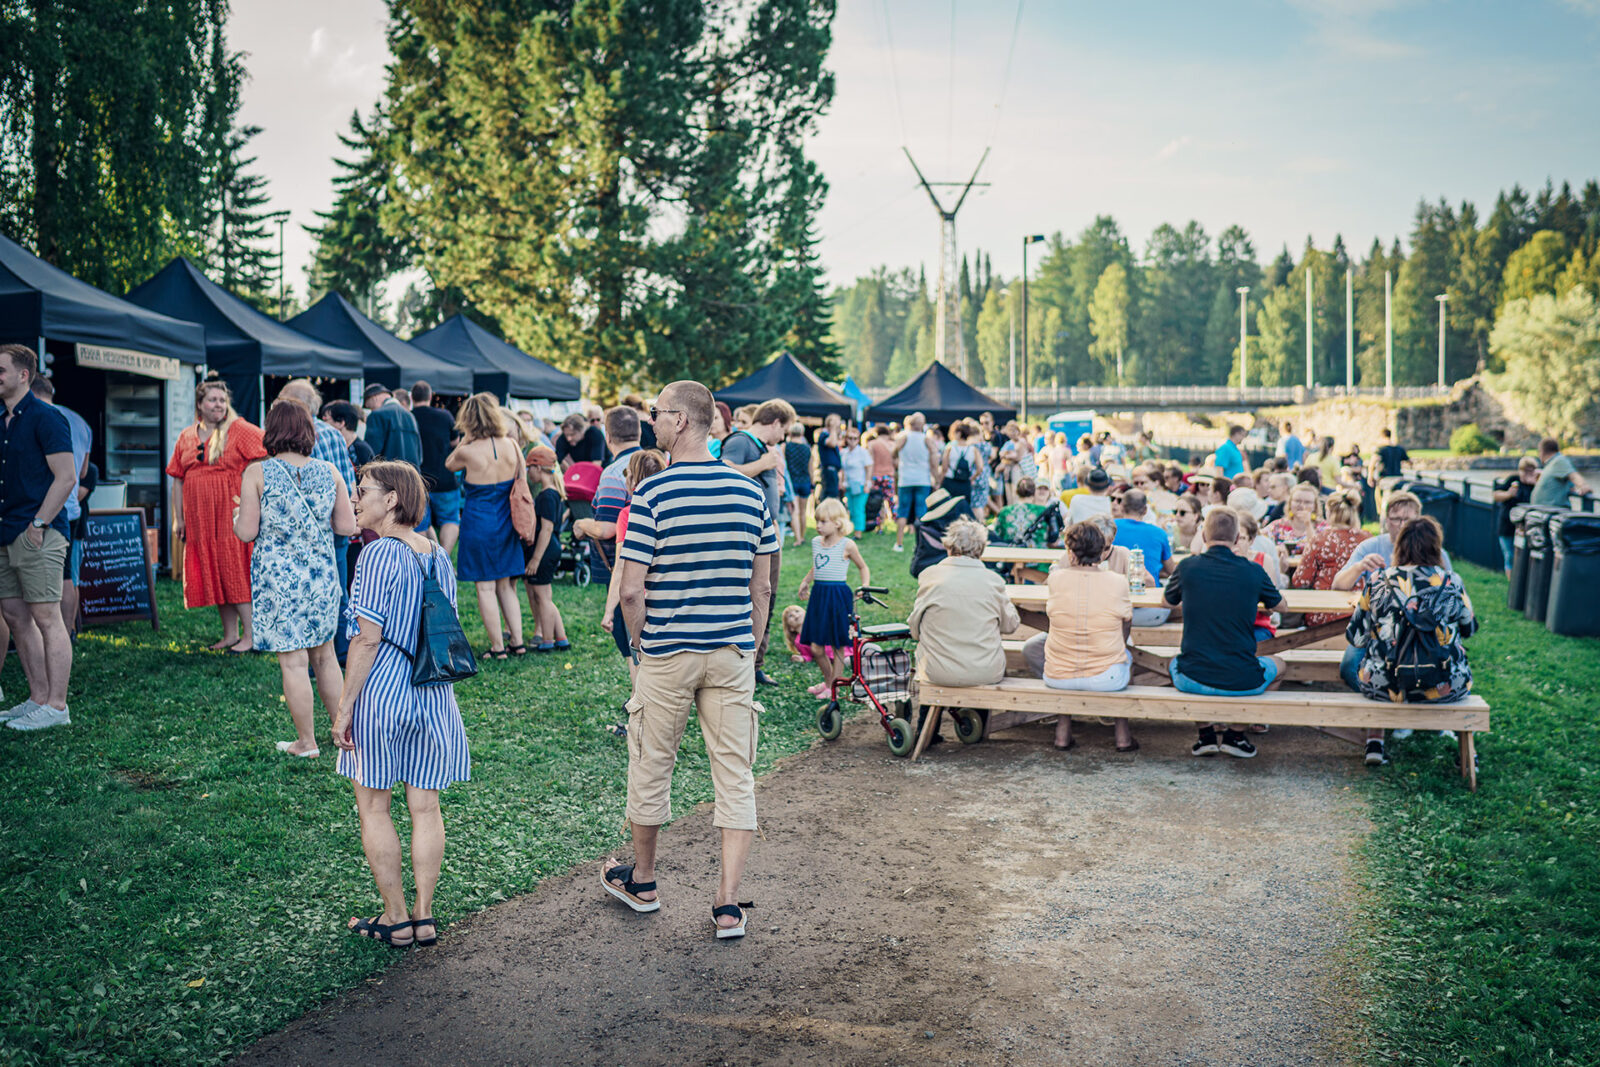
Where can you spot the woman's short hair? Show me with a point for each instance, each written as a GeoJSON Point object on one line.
{"type": "Point", "coordinates": [1310, 476]}
{"type": "Point", "coordinates": [1248, 526]}
{"type": "Point", "coordinates": [404, 481]}
{"type": "Point", "coordinates": [966, 537]}
{"type": "Point", "coordinates": [1420, 544]}
{"type": "Point", "coordinates": [289, 429]}
{"type": "Point", "coordinates": [480, 417]}
{"type": "Point", "coordinates": [1086, 543]}
{"type": "Point", "coordinates": [1344, 508]}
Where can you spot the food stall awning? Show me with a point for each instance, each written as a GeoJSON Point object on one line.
{"type": "Point", "coordinates": [39, 300]}
{"type": "Point", "coordinates": [786, 378]}
{"type": "Point", "coordinates": [384, 357]}
{"type": "Point", "coordinates": [497, 366]}
{"type": "Point", "coordinates": [242, 344]}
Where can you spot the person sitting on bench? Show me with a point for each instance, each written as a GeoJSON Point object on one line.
{"type": "Point", "coordinates": [1218, 593]}
{"type": "Point", "coordinates": [1091, 613]}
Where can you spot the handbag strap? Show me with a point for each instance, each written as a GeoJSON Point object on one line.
{"type": "Point", "coordinates": [411, 655]}
{"type": "Point", "coordinates": [299, 492]}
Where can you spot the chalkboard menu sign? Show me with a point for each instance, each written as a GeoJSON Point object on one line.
{"type": "Point", "coordinates": [114, 583]}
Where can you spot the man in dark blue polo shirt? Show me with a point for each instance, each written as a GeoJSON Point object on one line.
{"type": "Point", "coordinates": [36, 477]}
{"type": "Point", "coordinates": [1219, 592]}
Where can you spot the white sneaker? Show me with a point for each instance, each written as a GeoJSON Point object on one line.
{"type": "Point", "coordinates": [899, 548]}
{"type": "Point", "coordinates": [42, 718]}
{"type": "Point", "coordinates": [24, 708]}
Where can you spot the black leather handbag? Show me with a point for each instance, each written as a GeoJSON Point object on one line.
{"type": "Point", "coordinates": [443, 654]}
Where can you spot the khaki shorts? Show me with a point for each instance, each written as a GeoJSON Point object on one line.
{"type": "Point", "coordinates": [33, 574]}
{"type": "Point", "coordinates": [721, 686]}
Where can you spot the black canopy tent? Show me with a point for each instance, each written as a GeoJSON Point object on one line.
{"type": "Point", "coordinates": [385, 358]}
{"type": "Point", "coordinates": [497, 367]}
{"type": "Point", "coordinates": [941, 396]}
{"type": "Point", "coordinates": [788, 379]}
{"type": "Point", "coordinates": [242, 344]}
{"type": "Point", "coordinates": [38, 300]}
{"type": "Point", "coordinates": [127, 370]}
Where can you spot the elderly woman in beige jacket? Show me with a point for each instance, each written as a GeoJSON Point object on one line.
{"type": "Point", "coordinates": [961, 612]}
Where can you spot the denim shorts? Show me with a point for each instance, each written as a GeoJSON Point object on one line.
{"type": "Point", "coordinates": [444, 507]}
{"type": "Point", "coordinates": [1508, 551]}
{"type": "Point", "coordinates": [912, 501]}
{"type": "Point", "coordinates": [1185, 684]}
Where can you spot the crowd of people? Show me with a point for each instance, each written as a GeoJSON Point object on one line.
{"type": "Point", "coordinates": [330, 535]}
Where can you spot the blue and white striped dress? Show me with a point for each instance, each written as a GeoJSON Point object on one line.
{"type": "Point", "coordinates": [402, 733]}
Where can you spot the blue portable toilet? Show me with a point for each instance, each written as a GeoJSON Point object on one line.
{"type": "Point", "coordinates": [1072, 423]}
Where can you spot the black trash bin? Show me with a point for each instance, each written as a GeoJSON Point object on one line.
{"type": "Point", "coordinates": [1574, 610]}
{"type": "Point", "coordinates": [1517, 587]}
{"type": "Point", "coordinates": [1540, 561]}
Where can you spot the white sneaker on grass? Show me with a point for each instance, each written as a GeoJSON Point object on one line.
{"type": "Point", "coordinates": [22, 709]}
{"type": "Point", "coordinates": [42, 718]}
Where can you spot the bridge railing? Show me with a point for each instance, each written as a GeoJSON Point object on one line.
{"type": "Point", "coordinates": [1110, 397]}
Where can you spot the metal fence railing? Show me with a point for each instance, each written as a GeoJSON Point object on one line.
{"type": "Point", "coordinates": [1111, 397]}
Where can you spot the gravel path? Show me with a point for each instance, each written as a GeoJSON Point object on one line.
{"type": "Point", "coordinates": [1000, 904]}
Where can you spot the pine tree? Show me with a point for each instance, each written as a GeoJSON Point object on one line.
{"type": "Point", "coordinates": [241, 257]}
{"type": "Point", "coordinates": [354, 253]}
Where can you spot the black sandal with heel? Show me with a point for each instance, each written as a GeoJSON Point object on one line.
{"type": "Point", "coordinates": [424, 942]}
{"type": "Point", "coordinates": [628, 892]}
{"type": "Point", "coordinates": [735, 910]}
{"type": "Point", "coordinates": [373, 930]}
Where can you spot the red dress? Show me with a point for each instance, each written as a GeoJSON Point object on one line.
{"type": "Point", "coordinates": [1325, 556]}
{"type": "Point", "coordinates": [216, 564]}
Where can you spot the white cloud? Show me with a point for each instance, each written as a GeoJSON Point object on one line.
{"type": "Point", "coordinates": [1174, 146]}
{"type": "Point", "coordinates": [1358, 43]}
{"type": "Point", "coordinates": [1585, 7]}
{"type": "Point", "coordinates": [339, 62]}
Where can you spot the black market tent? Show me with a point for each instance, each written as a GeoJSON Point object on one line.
{"type": "Point", "coordinates": [242, 344]}
{"type": "Point", "coordinates": [941, 396]}
{"type": "Point", "coordinates": [497, 367]}
{"type": "Point", "coordinates": [38, 300]}
{"type": "Point", "coordinates": [786, 378]}
{"type": "Point", "coordinates": [384, 357]}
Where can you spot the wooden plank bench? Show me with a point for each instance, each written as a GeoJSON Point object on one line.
{"type": "Point", "coordinates": [1031, 698]}
{"type": "Point", "coordinates": [1300, 665]}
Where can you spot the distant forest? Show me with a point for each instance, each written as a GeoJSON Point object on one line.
{"type": "Point", "coordinates": [1171, 315]}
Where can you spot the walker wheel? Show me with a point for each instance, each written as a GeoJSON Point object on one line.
{"type": "Point", "coordinates": [830, 720]}
{"type": "Point", "coordinates": [970, 725]}
{"type": "Point", "coordinates": [902, 739]}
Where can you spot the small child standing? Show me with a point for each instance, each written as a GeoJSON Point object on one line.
{"type": "Point", "coordinates": [827, 622]}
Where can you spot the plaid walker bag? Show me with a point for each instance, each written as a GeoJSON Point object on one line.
{"type": "Point", "coordinates": [887, 671]}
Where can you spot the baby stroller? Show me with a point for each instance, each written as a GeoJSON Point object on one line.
{"type": "Point", "coordinates": [577, 555]}
{"type": "Point", "coordinates": [942, 510]}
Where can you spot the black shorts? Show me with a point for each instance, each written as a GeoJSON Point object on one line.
{"type": "Point", "coordinates": [545, 572]}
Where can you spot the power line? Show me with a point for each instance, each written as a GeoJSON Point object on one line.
{"type": "Point", "coordinates": [1005, 78]}
{"type": "Point", "coordinates": [894, 72]}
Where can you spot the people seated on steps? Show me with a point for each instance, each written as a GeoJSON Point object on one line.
{"type": "Point", "coordinates": [1217, 594]}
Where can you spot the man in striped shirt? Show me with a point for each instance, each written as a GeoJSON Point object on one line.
{"type": "Point", "coordinates": [694, 593]}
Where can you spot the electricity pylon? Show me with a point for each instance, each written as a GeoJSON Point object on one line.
{"type": "Point", "coordinates": [949, 347]}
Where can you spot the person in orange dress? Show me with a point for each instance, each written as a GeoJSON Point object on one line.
{"type": "Point", "coordinates": [207, 466]}
{"type": "Point", "coordinates": [1329, 549]}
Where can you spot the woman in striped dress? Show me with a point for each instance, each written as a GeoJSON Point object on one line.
{"type": "Point", "coordinates": [387, 729]}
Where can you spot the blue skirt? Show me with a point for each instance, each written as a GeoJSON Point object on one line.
{"type": "Point", "coordinates": [827, 615]}
{"type": "Point", "coordinates": [489, 547]}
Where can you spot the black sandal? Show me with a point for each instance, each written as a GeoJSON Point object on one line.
{"type": "Point", "coordinates": [495, 653]}
{"type": "Point", "coordinates": [517, 650]}
{"type": "Point", "coordinates": [373, 930]}
{"type": "Point", "coordinates": [424, 942]}
{"type": "Point", "coordinates": [628, 892]}
{"type": "Point", "coordinates": [737, 910]}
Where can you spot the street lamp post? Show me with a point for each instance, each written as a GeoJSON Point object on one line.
{"type": "Point", "coordinates": [1388, 334]}
{"type": "Point", "coordinates": [1244, 342]}
{"type": "Point", "coordinates": [1026, 241]}
{"type": "Point", "coordinates": [1011, 340]}
{"type": "Point", "coordinates": [1349, 331]}
{"type": "Point", "coordinates": [1441, 298]}
{"type": "Point", "coordinates": [280, 217]}
{"type": "Point", "coordinates": [1309, 375]}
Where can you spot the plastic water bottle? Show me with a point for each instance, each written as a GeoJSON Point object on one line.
{"type": "Point", "coordinates": [1136, 571]}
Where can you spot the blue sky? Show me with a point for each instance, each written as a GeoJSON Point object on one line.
{"type": "Point", "coordinates": [1290, 118]}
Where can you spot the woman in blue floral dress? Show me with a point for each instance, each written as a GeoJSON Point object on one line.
{"type": "Point", "coordinates": [291, 505]}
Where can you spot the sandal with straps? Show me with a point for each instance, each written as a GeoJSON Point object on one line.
{"type": "Point", "coordinates": [628, 892]}
{"type": "Point", "coordinates": [424, 942]}
{"type": "Point", "coordinates": [737, 910]}
{"type": "Point", "coordinates": [374, 930]}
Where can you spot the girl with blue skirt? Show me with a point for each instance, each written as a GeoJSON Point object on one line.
{"type": "Point", "coordinates": [827, 625]}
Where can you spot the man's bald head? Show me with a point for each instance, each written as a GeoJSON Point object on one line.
{"type": "Point", "coordinates": [693, 400]}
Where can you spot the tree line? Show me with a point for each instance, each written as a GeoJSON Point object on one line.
{"type": "Point", "coordinates": [1098, 314]}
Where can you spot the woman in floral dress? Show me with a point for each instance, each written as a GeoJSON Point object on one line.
{"type": "Point", "coordinates": [290, 506]}
{"type": "Point", "coordinates": [206, 468]}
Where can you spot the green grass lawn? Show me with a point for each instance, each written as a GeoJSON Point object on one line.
{"type": "Point", "coordinates": [175, 887]}
{"type": "Point", "coordinates": [1486, 906]}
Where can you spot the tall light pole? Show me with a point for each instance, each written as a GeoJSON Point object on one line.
{"type": "Point", "coordinates": [1349, 330]}
{"type": "Point", "coordinates": [1244, 342]}
{"type": "Point", "coordinates": [1011, 341]}
{"type": "Point", "coordinates": [1388, 333]}
{"type": "Point", "coordinates": [1031, 239]}
{"type": "Point", "coordinates": [281, 217]}
{"type": "Point", "coordinates": [1442, 297]}
{"type": "Point", "coordinates": [1309, 375]}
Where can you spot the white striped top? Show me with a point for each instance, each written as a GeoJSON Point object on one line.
{"type": "Point", "coordinates": [829, 563]}
{"type": "Point", "coordinates": [698, 527]}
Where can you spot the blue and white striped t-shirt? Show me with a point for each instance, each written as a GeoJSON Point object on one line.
{"type": "Point", "coordinates": [698, 527]}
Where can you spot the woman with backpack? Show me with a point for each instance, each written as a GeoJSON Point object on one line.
{"type": "Point", "coordinates": [388, 728]}
{"type": "Point", "coordinates": [1406, 633]}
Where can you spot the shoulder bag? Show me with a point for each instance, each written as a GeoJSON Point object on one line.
{"type": "Point", "coordinates": [443, 654]}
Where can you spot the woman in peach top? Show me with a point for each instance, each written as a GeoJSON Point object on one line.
{"type": "Point", "coordinates": [1086, 647]}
